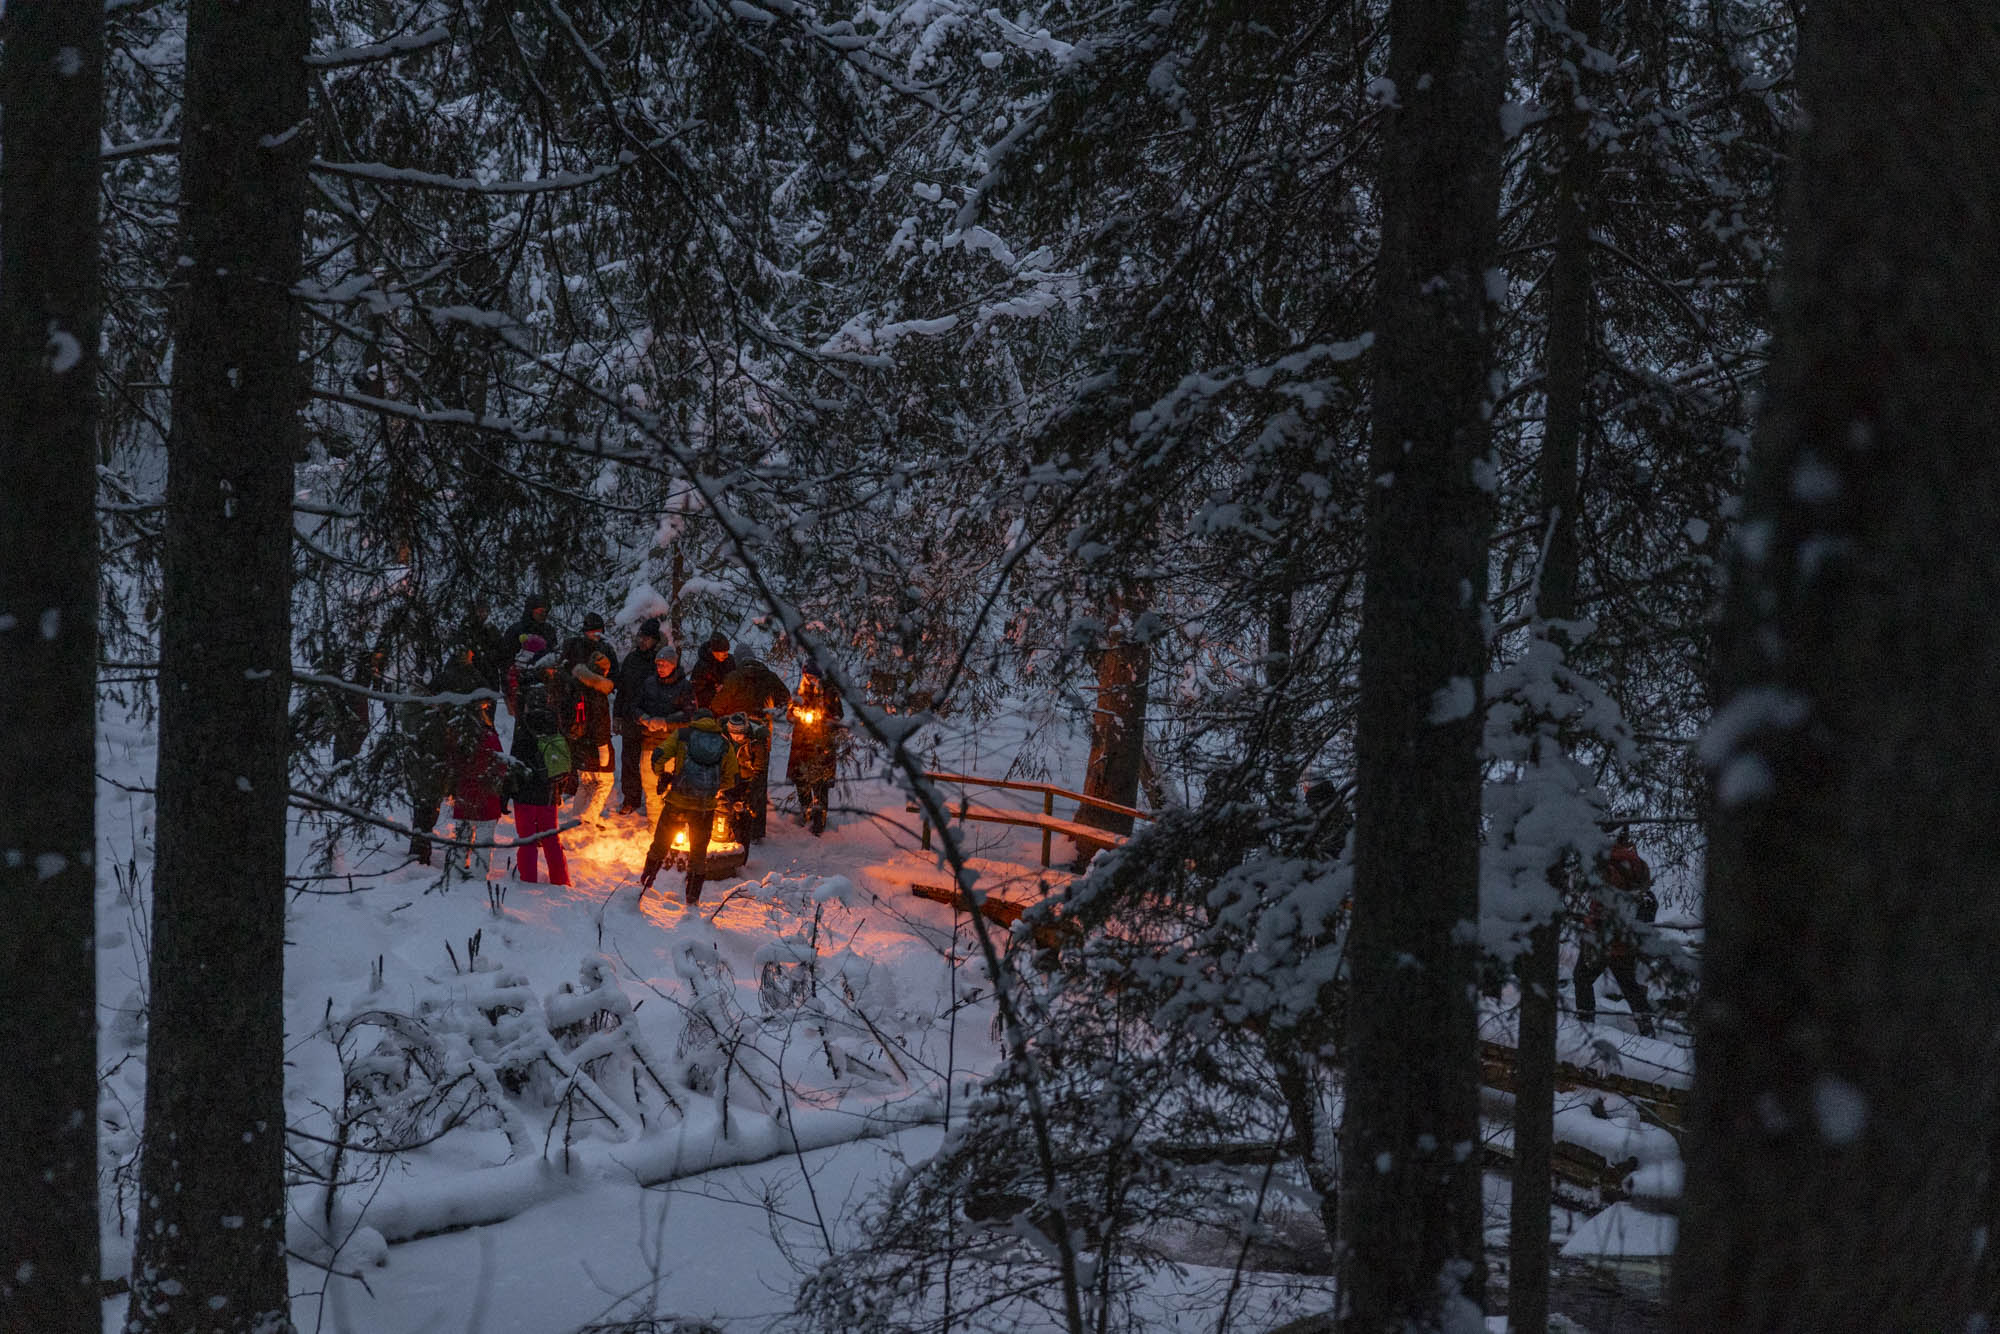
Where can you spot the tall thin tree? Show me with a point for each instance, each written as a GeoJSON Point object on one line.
{"type": "Point", "coordinates": [51, 86]}
{"type": "Point", "coordinates": [1410, 1246]}
{"type": "Point", "coordinates": [1566, 370]}
{"type": "Point", "coordinates": [210, 1249]}
{"type": "Point", "coordinates": [1842, 1124]}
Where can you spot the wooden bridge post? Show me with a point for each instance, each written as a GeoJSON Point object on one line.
{"type": "Point", "coordinates": [1048, 808]}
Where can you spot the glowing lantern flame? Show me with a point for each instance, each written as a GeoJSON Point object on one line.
{"type": "Point", "coordinates": [718, 833]}
{"type": "Point", "coordinates": [808, 716]}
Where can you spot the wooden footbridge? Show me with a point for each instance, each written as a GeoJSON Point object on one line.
{"type": "Point", "coordinates": [1658, 1102]}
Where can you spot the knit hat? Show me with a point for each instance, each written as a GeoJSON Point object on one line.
{"type": "Point", "coordinates": [592, 621]}
{"type": "Point", "coordinates": [534, 645]}
{"type": "Point", "coordinates": [717, 643]}
{"type": "Point", "coordinates": [650, 626]}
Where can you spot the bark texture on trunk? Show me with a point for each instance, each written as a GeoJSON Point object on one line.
{"type": "Point", "coordinates": [210, 1248]}
{"type": "Point", "coordinates": [1844, 1106]}
{"type": "Point", "coordinates": [1410, 1251]}
{"type": "Point", "coordinates": [51, 86]}
{"type": "Point", "coordinates": [1566, 368]}
{"type": "Point", "coordinates": [1117, 732]}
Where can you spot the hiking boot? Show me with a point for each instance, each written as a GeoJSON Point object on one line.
{"type": "Point", "coordinates": [647, 876]}
{"type": "Point", "coordinates": [818, 821]}
{"type": "Point", "coordinates": [694, 884]}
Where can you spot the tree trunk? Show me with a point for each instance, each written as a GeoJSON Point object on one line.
{"type": "Point", "coordinates": [1410, 1247]}
{"type": "Point", "coordinates": [1841, 1125]}
{"type": "Point", "coordinates": [51, 84]}
{"type": "Point", "coordinates": [210, 1247]}
{"type": "Point", "coordinates": [1117, 730]}
{"type": "Point", "coordinates": [1566, 369]}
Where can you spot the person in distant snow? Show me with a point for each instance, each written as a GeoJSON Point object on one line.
{"type": "Point", "coordinates": [715, 664]}
{"type": "Point", "coordinates": [1605, 938]}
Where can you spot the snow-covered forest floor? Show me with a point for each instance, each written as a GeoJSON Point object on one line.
{"type": "Point", "coordinates": [621, 1108]}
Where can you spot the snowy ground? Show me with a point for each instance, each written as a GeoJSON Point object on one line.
{"type": "Point", "coordinates": [552, 1208]}
{"type": "Point", "coordinates": [545, 1212]}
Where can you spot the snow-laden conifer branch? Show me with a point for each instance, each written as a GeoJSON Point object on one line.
{"type": "Point", "coordinates": [345, 57]}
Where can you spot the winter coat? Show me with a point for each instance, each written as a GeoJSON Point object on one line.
{"type": "Point", "coordinates": [751, 689]}
{"type": "Point", "coordinates": [492, 651]}
{"type": "Point", "coordinates": [511, 637]}
{"type": "Point", "coordinates": [588, 718]}
{"type": "Point", "coordinates": [478, 773]}
{"type": "Point", "coordinates": [812, 753]}
{"type": "Point", "coordinates": [672, 698]}
{"type": "Point", "coordinates": [633, 673]}
{"type": "Point", "coordinates": [426, 732]}
{"type": "Point", "coordinates": [532, 784]}
{"type": "Point", "coordinates": [708, 673]}
{"type": "Point", "coordinates": [1623, 869]}
{"type": "Point", "coordinates": [671, 757]}
{"type": "Point", "coordinates": [752, 736]}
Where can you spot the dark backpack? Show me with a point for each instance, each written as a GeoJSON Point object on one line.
{"type": "Point", "coordinates": [701, 768]}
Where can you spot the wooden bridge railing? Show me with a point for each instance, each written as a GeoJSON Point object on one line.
{"type": "Point", "coordinates": [1047, 821]}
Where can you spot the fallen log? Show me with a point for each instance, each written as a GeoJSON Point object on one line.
{"type": "Point", "coordinates": [1662, 1104]}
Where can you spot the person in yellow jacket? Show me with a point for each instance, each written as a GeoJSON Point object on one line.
{"type": "Point", "coordinates": [693, 767]}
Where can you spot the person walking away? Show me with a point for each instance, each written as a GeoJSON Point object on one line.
{"type": "Point", "coordinates": [1606, 939]}
{"type": "Point", "coordinates": [816, 712]}
{"type": "Point", "coordinates": [759, 694]}
{"type": "Point", "coordinates": [694, 767]}
{"type": "Point", "coordinates": [588, 729]}
{"type": "Point", "coordinates": [478, 773]}
{"type": "Point", "coordinates": [713, 667]}
{"type": "Point", "coordinates": [634, 671]}
{"type": "Point", "coordinates": [541, 760]}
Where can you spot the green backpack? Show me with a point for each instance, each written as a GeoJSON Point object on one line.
{"type": "Point", "coordinates": [555, 754]}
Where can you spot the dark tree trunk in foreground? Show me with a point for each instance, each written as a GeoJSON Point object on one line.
{"type": "Point", "coordinates": [1566, 370]}
{"type": "Point", "coordinates": [51, 86]}
{"type": "Point", "coordinates": [1410, 1243]}
{"type": "Point", "coordinates": [210, 1249]}
{"type": "Point", "coordinates": [1842, 1125]}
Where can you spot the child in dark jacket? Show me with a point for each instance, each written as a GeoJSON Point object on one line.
{"type": "Point", "coordinates": [535, 792]}
{"type": "Point", "coordinates": [478, 774]}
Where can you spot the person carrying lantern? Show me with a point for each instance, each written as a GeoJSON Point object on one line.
{"type": "Point", "coordinates": [693, 767]}
{"type": "Point", "coordinates": [815, 712]}
{"type": "Point", "coordinates": [755, 693]}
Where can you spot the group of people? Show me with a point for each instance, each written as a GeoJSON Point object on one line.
{"type": "Point", "coordinates": [707, 730]}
